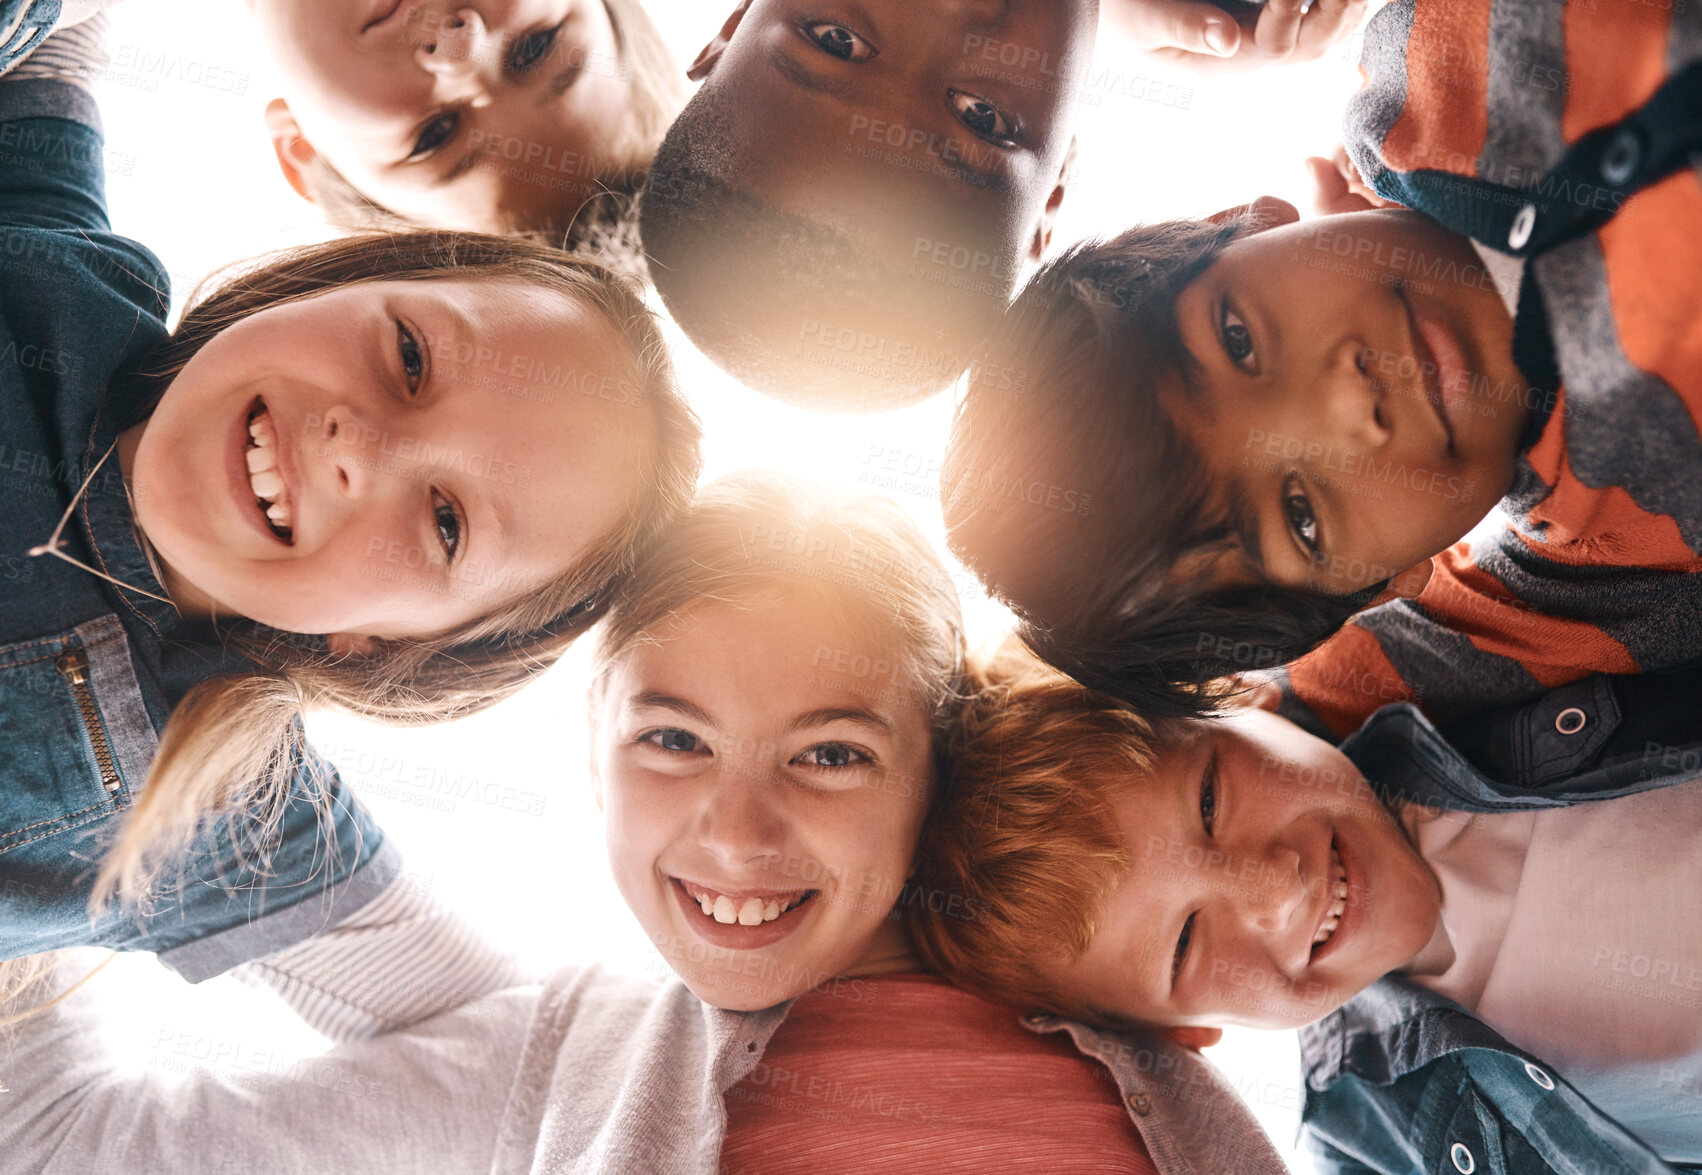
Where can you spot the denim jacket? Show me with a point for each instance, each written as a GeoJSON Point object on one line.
{"type": "Point", "coordinates": [1400, 1079]}
{"type": "Point", "coordinates": [90, 671]}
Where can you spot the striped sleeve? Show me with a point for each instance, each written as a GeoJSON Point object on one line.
{"type": "Point", "coordinates": [76, 55]}
{"type": "Point", "coordinates": [399, 959]}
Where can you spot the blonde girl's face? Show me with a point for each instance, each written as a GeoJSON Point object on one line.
{"type": "Point", "coordinates": [471, 115]}
{"type": "Point", "coordinates": [390, 459]}
{"type": "Point", "coordinates": [763, 775]}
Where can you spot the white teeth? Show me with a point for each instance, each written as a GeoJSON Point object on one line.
{"type": "Point", "coordinates": [263, 476]}
{"type": "Point", "coordinates": [1338, 906]}
{"type": "Point", "coordinates": [751, 911]}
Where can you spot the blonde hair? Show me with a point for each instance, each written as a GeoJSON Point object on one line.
{"type": "Point", "coordinates": [600, 225]}
{"type": "Point", "coordinates": [1024, 830]}
{"type": "Point", "coordinates": [232, 743]}
{"type": "Point", "coordinates": [753, 539]}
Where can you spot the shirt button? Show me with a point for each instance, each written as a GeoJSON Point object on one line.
{"type": "Point", "coordinates": [1538, 1076]}
{"type": "Point", "coordinates": [1463, 1161]}
{"type": "Point", "coordinates": [1571, 720]}
{"type": "Point", "coordinates": [1623, 155]}
{"type": "Point", "coordinates": [1139, 1103]}
{"type": "Point", "coordinates": [1524, 224]}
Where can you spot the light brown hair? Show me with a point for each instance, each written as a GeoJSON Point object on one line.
{"type": "Point", "coordinates": [231, 745]}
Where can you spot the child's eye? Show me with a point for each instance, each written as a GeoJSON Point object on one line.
{"type": "Point", "coordinates": [672, 740]}
{"type": "Point", "coordinates": [530, 49]}
{"type": "Point", "coordinates": [412, 355]}
{"type": "Point", "coordinates": [435, 134]}
{"type": "Point", "coordinates": [1181, 956]}
{"type": "Point", "coordinates": [832, 755]}
{"type": "Point", "coordinates": [1302, 520]}
{"type": "Point", "coordinates": [1237, 339]}
{"type": "Point", "coordinates": [1208, 795]}
{"type": "Point", "coordinates": [448, 522]}
{"type": "Point", "coordinates": [838, 41]}
{"type": "Point", "coordinates": [984, 118]}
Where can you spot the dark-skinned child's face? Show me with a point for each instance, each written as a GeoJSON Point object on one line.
{"type": "Point", "coordinates": [1355, 398]}
{"type": "Point", "coordinates": [945, 123]}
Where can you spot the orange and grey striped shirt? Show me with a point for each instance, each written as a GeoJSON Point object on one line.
{"type": "Point", "coordinates": [1569, 135]}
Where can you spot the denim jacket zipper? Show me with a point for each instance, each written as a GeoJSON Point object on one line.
{"type": "Point", "coordinates": [74, 666]}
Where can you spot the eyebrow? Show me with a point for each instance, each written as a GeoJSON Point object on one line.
{"type": "Point", "coordinates": [829, 714]}
{"type": "Point", "coordinates": [679, 706]}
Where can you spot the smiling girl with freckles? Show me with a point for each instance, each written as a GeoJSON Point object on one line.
{"type": "Point", "coordinates": [394, 474]}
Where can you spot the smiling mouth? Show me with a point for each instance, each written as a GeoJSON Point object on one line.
{"type": "Point", "coordinates": [752, 910]}
{"type": "Point", "coordinates": [264, 477]}
{"type": "Point", "coordinates": [1338, 903]}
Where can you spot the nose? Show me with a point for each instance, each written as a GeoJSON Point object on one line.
{"type": "Point", "coordinates": [1274, 894]}
{"type": "Point", "coordinates": [1355, 395]}
{"type": "Point", "coordinates": [452, 44]}
{"type": "Point", "coordinates": [738, 825]}
{"type": "Point", "coordinates": [344, 440]}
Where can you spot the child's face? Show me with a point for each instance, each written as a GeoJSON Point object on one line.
{"type": "Point", "coordinates": [468, 116]}
{"type": "Point", "coordinates": [1238, 840]}
{"type": "Point", "coordinates": [908, 125]}
{"type": "Point", "coordinates": [438, 448]}
{"type": "Point", "coordinates": [1358, 403]}
{"type": "Point", "coordinates": [737, 767]}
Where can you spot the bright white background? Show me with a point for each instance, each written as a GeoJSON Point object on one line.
{"type": "Point", "coordinates": [192, 177]}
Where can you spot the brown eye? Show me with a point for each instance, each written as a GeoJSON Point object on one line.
{"type": "Point", "coordinates": [1237, 339]}
{"type": "Point", "coordinates": [984, 118]}
{"type": "Point", "coordinates": [838, 41]}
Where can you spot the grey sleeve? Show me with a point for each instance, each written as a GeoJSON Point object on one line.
{"type": "Point", "coordinates": [397, 960]}
{"type": "Point", "coordinates": [427, 1100]}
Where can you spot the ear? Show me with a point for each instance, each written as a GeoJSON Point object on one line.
{"type": "Point", "coordinates": [1195, 1037]}
{"type": "Point", "coordinates": [1265, 212]}
{"type": "Point", "coordinates": [295, 154]}
{"type": "Point", "coordinates": [711, 53]}
{"type": "Point", "coordinates": [352, 644]}
{"type": "Point", "coordinates": [1049, 214]}
{"type": "Point", "coordinates": [1406, 585]}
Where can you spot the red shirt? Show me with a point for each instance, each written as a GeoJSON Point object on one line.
{"type": "Point", "coordinates": [908, 1074]}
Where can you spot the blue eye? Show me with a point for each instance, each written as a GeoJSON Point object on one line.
{"type": "Point", "coordinates": [411, 354]}
{"type": "Point", "coordinates": [838, 41]}
{"type": "Point", "coordinates": [434, 134]}
{"type": "Point", "coordinates": [530, 49]}
{"type": "Point", "coordinates": [1208, 798]}
{"type": "Point", "coordinates": [832, 755]}
{"type": "Point", "coordinates": [448, 523]}
{"type": "Point", "coordinates": [673, 740]}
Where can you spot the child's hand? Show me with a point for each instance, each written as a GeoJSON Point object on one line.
{"type": "Point", "coordinates": [1337, 186]}
{"type": "Point", "coordinates": [1235, 35]}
